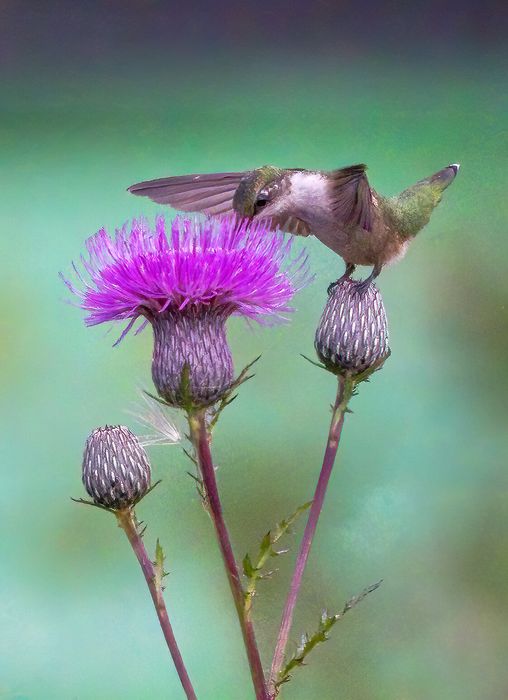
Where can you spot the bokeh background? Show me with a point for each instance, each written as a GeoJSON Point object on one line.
{"type": "Point", "coordinates": [98, 95]}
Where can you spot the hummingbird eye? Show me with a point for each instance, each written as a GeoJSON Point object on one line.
{"type": "Point", "coordinates": [262, 199]}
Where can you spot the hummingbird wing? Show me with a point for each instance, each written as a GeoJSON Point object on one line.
{"type": "Point", "coordinates": [351, 199]}
{"type": "Point", "coordinates": [210, 193]}
{"type": "Point", "coordinates": [290, 224]}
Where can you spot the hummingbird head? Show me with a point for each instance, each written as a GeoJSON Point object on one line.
{"type": "Point", "coordinates": [257, 190]}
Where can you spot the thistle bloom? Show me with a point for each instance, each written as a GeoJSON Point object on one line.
{"type": "Point", "coordinates": [352, 335]}
{"type": "Point", "coordinates": [116, 470]}
{"type": "Point", "coordinates": [186, 284]}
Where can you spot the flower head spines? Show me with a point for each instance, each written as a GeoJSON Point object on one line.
{"type": "Point", "coordinates": [116, 470]}
{"type": "Point", "coordinates": [225, 264]}
{"type": "Point", "coordinates": [352, 335]}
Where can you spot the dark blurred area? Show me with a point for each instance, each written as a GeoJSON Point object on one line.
{"type": "Point", "coordinates": [41, 35]}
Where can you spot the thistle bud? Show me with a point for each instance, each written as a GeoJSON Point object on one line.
{"type": "Point", "coordinates": [116, 470]}
{"type": "Point", "coordinates": [352, 335]}
{"type": "Point", "coordinates": [191, 362]}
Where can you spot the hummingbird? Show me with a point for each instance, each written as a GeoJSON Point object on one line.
{"type": "Point", "coordinates": [339, 207]}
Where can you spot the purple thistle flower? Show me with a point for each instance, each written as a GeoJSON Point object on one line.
{"type": "Point", "coordinates": [186, 284]}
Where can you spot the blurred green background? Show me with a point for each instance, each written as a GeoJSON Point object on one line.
{"type": "Point", "coordinates": [102, 95]}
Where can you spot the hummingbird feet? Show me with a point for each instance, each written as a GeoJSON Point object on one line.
{"type": "Point", "coordinates": [365, 284]}
{"type": "Point", "coordinates": [350, 268]}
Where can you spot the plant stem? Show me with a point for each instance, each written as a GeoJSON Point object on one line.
{"type": "Point", "coordinates": [127, 521]}
{"type": "Point", "coordinates": [344, 393]}
{"type": "Point", "coordinates": [201, 440]}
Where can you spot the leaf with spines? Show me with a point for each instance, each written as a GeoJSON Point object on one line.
{"type": "Point", "coordinates": [157, 398]}
{"type": "Point", "coordinates": [308, 642]}
{"type": "Point", "coordinates": [230, 395]}
{"type": "Point", "coordinates": [91, 503]}
{"type": "Point", "coordinates": [113, 510]}
{"type": "Point", "coordinates": [158, 566]}
{"type": "Point", "coordinates": [254, 572]}
{"type": "Point", "coordinates": [313, 362]}
{"type": "Point", "coordinates": [190, 456]}
{"type": "Point", "coordinates": [141, 527]}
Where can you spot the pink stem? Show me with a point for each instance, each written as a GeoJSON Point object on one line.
{"type": "Point", "coordinates": [344, 392]}
{"type": "Point", "coordinates": [126, 520]}
{"type": "Point", "coordinates": [201, 440]}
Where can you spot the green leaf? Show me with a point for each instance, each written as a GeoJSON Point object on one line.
{"type": "Point", "coordinates": [158, 566]}
{"type": "Point", "coordinates": [254, 571]}
{"type": "Point", "coordinates": [308, 642]}
{"type": "Point", "coordinates": [265, 544]}
{"type": "Point", "coordinates": [285, 525]}
{"type": "Point", "coordinates": [248, 569]}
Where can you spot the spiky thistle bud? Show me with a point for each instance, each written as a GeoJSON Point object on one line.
{"type": "Point", "coordinates": [352, 335]}
{"type": "Point", "coordinates": [116, 470]}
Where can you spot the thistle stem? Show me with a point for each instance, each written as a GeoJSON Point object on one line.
{"type": "Point", "coordinates": [201, 440]}
{"type": "Point", "coordinates": [127, 521]}
{"type": "Point", "coordinates": [344, 393]}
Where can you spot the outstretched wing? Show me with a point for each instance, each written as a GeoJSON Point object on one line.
{"type": "Point", "coordinates": [351, 198]}
{"type": "Point", "coordinates": [210, 193]}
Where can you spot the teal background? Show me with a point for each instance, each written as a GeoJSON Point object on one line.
{"type": "Point", "coordinates": [419, 494]}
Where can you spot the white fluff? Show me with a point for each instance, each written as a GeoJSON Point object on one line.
{"type": "Point", "coordinates": [158, 419]}
{"type": "Point", "coordinates": [309, 189]}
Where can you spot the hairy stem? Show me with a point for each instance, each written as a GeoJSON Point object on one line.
{"type": "Point", "coordinates": [127, 521]}
{"type": "Point", "coordinates": [344, 393]}
{"type": "Point", "coordinates": [201, 440]}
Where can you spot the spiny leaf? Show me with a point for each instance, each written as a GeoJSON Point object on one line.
{"type": "Point", "coordinates": [313, 362]}
{"type": "Point", "coordinates": [190, 456]}
{"type": "Point", "coordinates": [265, 543]}
{"type": "Point", "coordinates": [254, 572]}
{"type": "Point", "coordinates": [243, 374]}
{"type": "Point", "coordinates": [308, 642]}
{"type": "Point", "coordinates": [230, 395]}
{"type": "Point", "coordinates": [157, 398]}
{"type": "Point", "coordinates": [112, 510]}
{"type": "Point", "coordinates": [284, 525]}
{"type": "Point", "coordinates": [158, 566]}
{"type": "Point", "coordinates": [200, 488]}
{"type": "Point", "coordinates": [152, 487]}
{"type": "Point", "coordinates": [91, 503]}
{"type": "Point", "coordinates": [248, 569]}
{"type": "Point", "coordinates": [195, 478]}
